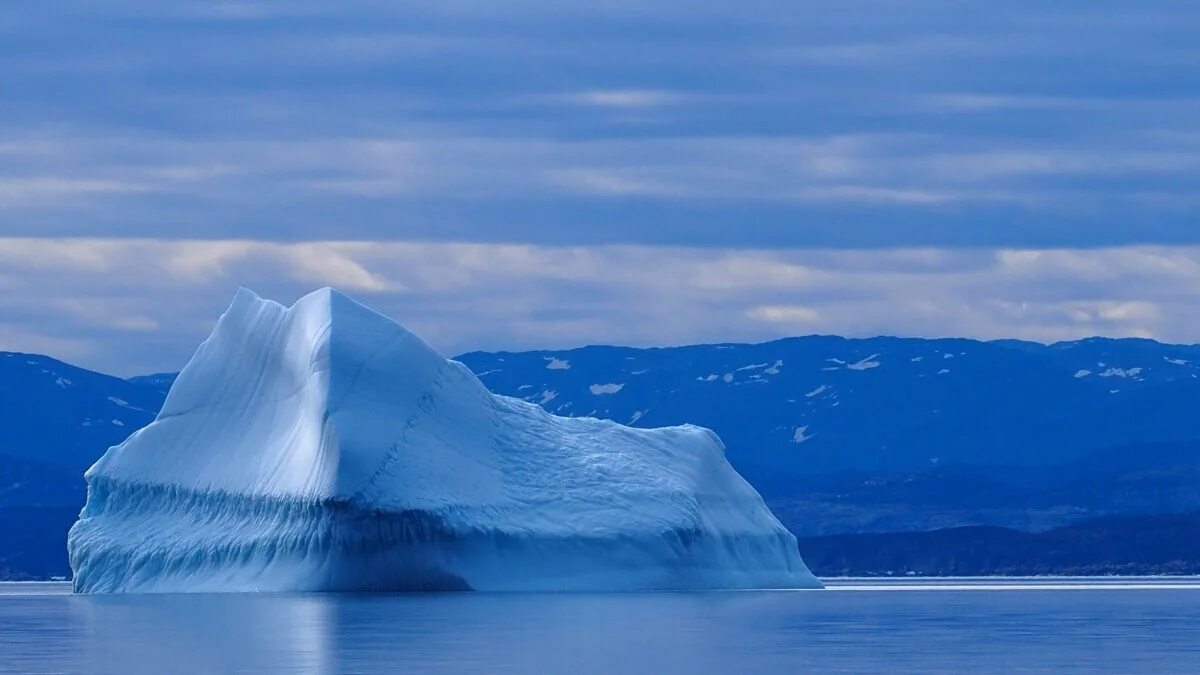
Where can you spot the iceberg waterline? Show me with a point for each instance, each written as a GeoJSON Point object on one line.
{"type": "Point", "coordinates": [324, 447]}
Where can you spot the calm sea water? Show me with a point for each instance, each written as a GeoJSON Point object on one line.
{"type": "Point", "coordinates": [855, 626]}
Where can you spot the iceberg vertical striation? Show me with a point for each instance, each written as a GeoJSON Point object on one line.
{"type": "Point", "coordinates": [323, 447]}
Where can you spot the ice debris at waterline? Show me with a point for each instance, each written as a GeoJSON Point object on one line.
{"type": "Point", "coordinates": [324, 447]}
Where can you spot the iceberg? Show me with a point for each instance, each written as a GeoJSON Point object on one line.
{"type": "Point", "coordinates": [324, 447]}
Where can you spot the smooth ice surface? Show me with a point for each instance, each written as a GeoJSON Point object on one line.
{"type": "Point", "coordinates": [325, 447]}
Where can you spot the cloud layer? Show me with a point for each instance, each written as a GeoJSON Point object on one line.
{"type": "Point", "coordinates": [139, 305]}
{"type": "Point", "coordinates": [780, 124]}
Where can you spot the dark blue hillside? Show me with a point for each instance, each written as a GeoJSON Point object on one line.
{"type": "Point", "coordinates": [55, 413]}
{"type": "Point", "coordinates": [828, 404]}
{"type": "Point", "coordinates": [55, 420]}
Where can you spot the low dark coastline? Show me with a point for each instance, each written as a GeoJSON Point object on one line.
{"type": "Point", "coordinates": [1127, 546]}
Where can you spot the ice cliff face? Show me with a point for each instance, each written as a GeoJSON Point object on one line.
{"type": "Point", "coordinates": [325, 447]}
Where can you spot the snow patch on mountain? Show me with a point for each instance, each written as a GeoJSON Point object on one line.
{"type": "Point", "coordinates": [1121, 372]}
{"type": "Point", "coordinates": [865, 364]}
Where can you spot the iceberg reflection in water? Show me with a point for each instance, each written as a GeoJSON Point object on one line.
{"type": "Point", "coordinates": [1131, 628]}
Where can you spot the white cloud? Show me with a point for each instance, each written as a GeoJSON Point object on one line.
{"type": "Point", "coordinates": [1127, 311]}
{"type": "Point", "coordinates": [18, 338]}
{"type": "Point", "coordinates": [201, 260]}
{"type": "Point", "coordinates": [784, 314]}
{"type": "Point", "coordinates": [198, 261]}
{"type": "Point", "coordinates": [33, 190]}
{"type": "Point", "coordinates": [612, 182]}
{"type": "Point", "coordinates": [970, 102]}
{"type": "Point", "coordinates": [112, 314]}
{"type": "Point", "coordinates": [333, 266]}
{"type": "Point", "coordinates": [624, 98]}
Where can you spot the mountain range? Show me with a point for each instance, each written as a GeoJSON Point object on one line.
{"type": "Point", "coordinates": [843, 437]}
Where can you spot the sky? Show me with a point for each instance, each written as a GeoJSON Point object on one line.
{"type": "Point", "coordinates": [545, 175]}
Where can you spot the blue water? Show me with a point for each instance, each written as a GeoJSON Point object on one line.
{"type": "Point", "coordinates": [853, 627]}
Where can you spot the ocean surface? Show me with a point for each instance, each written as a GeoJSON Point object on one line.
{"type": "Point", "coordinates": [854, 626]}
